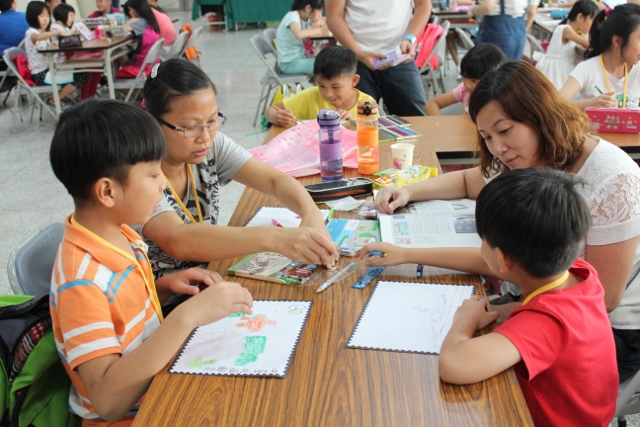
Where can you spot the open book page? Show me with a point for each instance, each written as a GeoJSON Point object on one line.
{"type": "Point", "coordinates": [432, 224]}
{"type": "Point", "coordinates": [258, 345]}
{"type": "Point", "coordinates": [411, 317]}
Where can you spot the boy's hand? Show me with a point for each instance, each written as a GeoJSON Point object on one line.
{"type": "Point", "coordinates": [390, 199]}
{"type": "Point", "coordinates": [216, 302]}
{"type": "Point", "coordinates": [474, 311]}
{"type": "Point", "coordinates": [395, 254]}
{"type": "Point", "coordinates": [285, 118]}
{"type": "Point", "coordinates": [345, 115]}
{"type": "Point", "coordinates": [187, 281]}
{"type": "Point", "coordinates": [307, 244]}
{"type": "Point", "coordinates": [367, 59]}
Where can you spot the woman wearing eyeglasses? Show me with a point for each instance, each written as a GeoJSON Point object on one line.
{"type": "Point", "coordinates": [182, 233]}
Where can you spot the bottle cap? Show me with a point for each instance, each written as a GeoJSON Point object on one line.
{"type": "Point", "coordinates": [367, 107]}
{"type": "Point", "coordinates": [328, 117]}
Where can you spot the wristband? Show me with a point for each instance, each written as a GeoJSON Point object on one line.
{"type": "Point", "coordinates": [412, 39]}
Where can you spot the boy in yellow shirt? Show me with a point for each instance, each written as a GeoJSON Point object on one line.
{"type": "Point", "coordinates": [336, 78]}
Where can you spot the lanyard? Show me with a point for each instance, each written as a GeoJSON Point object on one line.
{"type": "Point", "coordinates": [547, 287]}
{"type": "Point", "coordinates": [150, 289]}
{"type": "Point", "coordinates": [195, 196]}
{"type": "Point", "coordinates": [606, 81]}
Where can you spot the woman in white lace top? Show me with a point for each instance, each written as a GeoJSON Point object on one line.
{"type": "Point", "coordinates": [522, 122]}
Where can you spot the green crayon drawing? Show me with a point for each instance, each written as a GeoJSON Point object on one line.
{"type": "Point", "coordinates": [253, 346]}
{"type": "Point", "coordinates": [199, 363]}
{"type": "Point", "coordinates": [236, 315]}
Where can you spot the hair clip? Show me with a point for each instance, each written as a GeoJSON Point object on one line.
{"type": "Point", "coordinates": [154, 70]}
{"type": "Point", "coordinates": [607, 11]}
{"type": "Point", "coordinates": [143, 104]}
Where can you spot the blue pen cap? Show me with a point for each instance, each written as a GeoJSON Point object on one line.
{"type": "Point", "coordinates": [328, 118]}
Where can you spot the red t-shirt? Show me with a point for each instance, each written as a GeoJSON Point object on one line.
{"type": "Point", "coordinates": [568, 373]}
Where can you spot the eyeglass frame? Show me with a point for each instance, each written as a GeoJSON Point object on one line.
{"type": "Point", "coordinates": [222, 119]}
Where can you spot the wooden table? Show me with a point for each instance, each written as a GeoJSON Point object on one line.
{"type": "Point", "coordinates": [328, 384]}
{"type": "Point", "coordinates": [113, 49]}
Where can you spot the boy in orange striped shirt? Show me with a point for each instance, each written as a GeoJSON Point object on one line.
{"type": "Point", "coordinates": [105, 306]}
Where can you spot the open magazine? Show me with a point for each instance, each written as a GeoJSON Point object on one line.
{"type": "Point", "coordinates": [432, 224]}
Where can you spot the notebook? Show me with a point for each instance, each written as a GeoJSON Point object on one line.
{"type": "Point", "coordinates": [408, 317]}
{"type": "Point", "coordinates": [261, 344]}
{"type": "Point", "coordinates": [273, 267]}
{"type": "Point", "coordinates": [352, 234]}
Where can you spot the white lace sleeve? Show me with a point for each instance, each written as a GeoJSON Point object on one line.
{"type": "Point", "coordinates": [615, 209]}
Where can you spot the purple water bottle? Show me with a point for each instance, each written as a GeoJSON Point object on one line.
{"type": "Point", "coordinates": [330, 136]}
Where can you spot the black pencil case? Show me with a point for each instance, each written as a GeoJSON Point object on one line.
{"type": "Point", "coordinates": [342, 188]}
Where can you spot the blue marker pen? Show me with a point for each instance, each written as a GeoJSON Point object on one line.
{"type": "Point", "coordinates": [419, 270]}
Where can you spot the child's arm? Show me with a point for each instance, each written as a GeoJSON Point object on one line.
{"type": "Point", "coordinates": [309, 32]}
{"type": "Point", "coordinates": [35, 37]}
{"type": "Point", "coordinates": [279, 115]}
{"type": "Point", "coordinates": [461, 259]}
{"type": "Point", "coordinates": [185, 282]}
{"type": "Point", "coordinates": [482, 8]}
{"type": "Point", "coordinates": [570, 34]}
{"type": "Point", "coordinates": [465, 359]}
{"type": "Point", "coordinates": [115, 383]}
{"type": "Point", "coordinates": [434, 105]}
{"type": "Point", "coordinates": [454, 185]}
{"type": "Point", "coordinates": [571, 89]}
{"type": "Point", "coordinates": [531, 14]}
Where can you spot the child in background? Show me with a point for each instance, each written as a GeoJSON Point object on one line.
{"type": "Point", "coordinates": [531, 222]}
{"type": "Point", "coordinates": [336, 78]}
{"type": "Point", "coordinates": [477, 62]}
{"type": "Point", "coordinates": [610, 77]}
{"type": "Point", "coordinates": [104, 8]}
{"type": "Point", "coordinates": [304, 20]}
{"type": "Point", "coordinates": [453, 39]}
{"type": "Point", "coordinates": [112, 351]}
{"type": "Point", "coordinates": [143, 24]}
{"type": "Point", "coordinates": [64, 15]}
{"type": "Point", "coordinates": [558, 62]}
{"type": "Point", "coordinates": [38, 36]}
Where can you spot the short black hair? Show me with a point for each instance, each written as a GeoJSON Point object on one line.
{"type": "Point", "coordinates": [481, 59]}
{"type": "Point", "coordinates": [536, 217]}
{"type": "Point", "coordinates": [174, 78]}
{"type": "Point", "coordinates": [335, 61]}
{"type": "Point", "coordinates": [34, 9]}
{"type": "Point", "coordinates": [62, 11]}
{"type": "Point", "coordinates": [5, 5]}
{"type": "Point", "coordinates": [301, 4]}
{"type": "Point", "coordinates": [100, 138]}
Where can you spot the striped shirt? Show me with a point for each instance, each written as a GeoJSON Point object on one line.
{"type": "Point", "coordinates": [103, 301]}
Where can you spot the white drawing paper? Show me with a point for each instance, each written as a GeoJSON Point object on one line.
{"type": "Point", "coordinates": [261, 344]}
{"type": "Point", "coordinates": [285, 217]}
{"type": "Point", "coordinates": [410, 317]}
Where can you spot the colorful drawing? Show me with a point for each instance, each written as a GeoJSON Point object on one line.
{"type": "Point", "coordinates": [353, 233]}
{"type": "Point", "coordinates": [253, 346]}
{"type": "Point", "coordinates": [255, 323]}
{"type": "Point", "coordinates": [199, 363]}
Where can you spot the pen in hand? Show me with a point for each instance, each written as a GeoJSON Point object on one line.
{"type": "Point", "coordinates": [298, 122]}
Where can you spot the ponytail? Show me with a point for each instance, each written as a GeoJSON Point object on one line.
{"type": "Point", "coordinates": [620, 21]}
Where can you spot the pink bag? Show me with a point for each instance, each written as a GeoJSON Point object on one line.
{"type": "Point", "coordinates": [296, 151]}
{"type": "Point", "coordinates": [426, 42]}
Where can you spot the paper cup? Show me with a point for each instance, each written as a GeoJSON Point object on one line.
{"type": "Point", "coordinates": [402, 153]}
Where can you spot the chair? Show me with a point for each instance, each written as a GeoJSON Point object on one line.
{"type": "Point", "coordinates": [273, 77]}
{"type": "Point", "coordinates": [176, 49]}
{"type": "Point", "coordinates": [138, 82]}
{"type": "Point", "coordinates": [31, 263]}
{"type": "Point", "coordinates": [465, 39]}
{"type": "Point", "coordinates": [628, 401]}
{"type": "Point", "coordinates": [536, 48]}
{"type": "Point", "coordinates": [270, 35]}
{"type": "Point", "coordinates": [434, 77]}
{"type": "Point", "coordinates": [192, 43]}
{"type": "Point", "coordinates": [35, 91]}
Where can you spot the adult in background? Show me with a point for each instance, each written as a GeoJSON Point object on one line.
{"type": "Point", "coordinates": [503, 23]}
{"type": "Point", "coordinates": [372, 28]}
{"type": "Point", "coordinates": [13, 26]}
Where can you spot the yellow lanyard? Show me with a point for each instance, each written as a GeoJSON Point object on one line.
{"type": "Point", "coordinates": [195, 196]}
{"type": "Point", "coordinates": [150, 289]}
{"type": "Point", "coordinates": [547, 287]}
{"type": "Point", "coordinates": [606, 81]}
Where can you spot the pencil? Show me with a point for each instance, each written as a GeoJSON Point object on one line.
{"type": "Point", "coordinates": [298, 122]}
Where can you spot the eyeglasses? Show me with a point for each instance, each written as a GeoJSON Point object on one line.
{"type": "Point", "coordinates": [195, 131]}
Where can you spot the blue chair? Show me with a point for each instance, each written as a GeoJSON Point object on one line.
{"type": "Point", "coordinates": [31, 263]}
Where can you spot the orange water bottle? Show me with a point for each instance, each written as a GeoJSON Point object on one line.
{"type": "Point", "coordinates": [367, 137]}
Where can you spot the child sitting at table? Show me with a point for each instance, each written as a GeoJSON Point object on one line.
{"type": "Point", "coordinates": [104, 8]}
{"type": "Point", "coordinates": [336, 78]}
{"type": "Point", "coordinates": [39, 37]}
{"type": "Point", "coordinates": [477, 62]}
{"type": "Point", "coordinates": [302, 21]}
{"type": "Point", "coordinates": [559, 340]}
{"type": "Point", "coordinates": [105, 306]}
{"type": "Point", "coordinates": [142, 23]}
